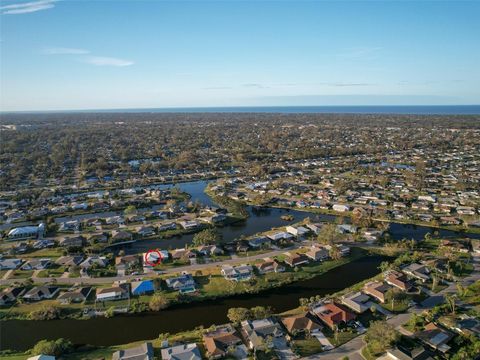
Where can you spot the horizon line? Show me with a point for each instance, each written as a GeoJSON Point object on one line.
{"type": "Point", "coordinates": [198, 109]}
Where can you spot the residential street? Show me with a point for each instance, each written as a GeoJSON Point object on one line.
{"type": "Point", "coordinates": [189, 268]}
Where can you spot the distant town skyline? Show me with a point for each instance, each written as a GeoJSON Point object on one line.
{"type": "Point", "coordinates": [68, 55]}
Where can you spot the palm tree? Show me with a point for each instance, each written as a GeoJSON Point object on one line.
{"type": "Point", "coordinates": [450, 299]}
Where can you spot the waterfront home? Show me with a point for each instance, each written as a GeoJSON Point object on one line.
{"type": "Point", "coordinates": [120, 236]}
{"type": "Point", "coordinates": [467, 325]}
{"type": "Point", "coordinates": [142, 287]}
{"type": "Point", "coordinates": [398, 280]}
{"type": "Point", "coordinates": [210, 250]}
{"type": "Point", "coordinates": [167, 226]}
{"type": "Point", "coordinates": [341, 207]}
{"type": "Point", "coordinates": [182, 352]}
{"type": "Point", "coordinates": [297, 231]}
{"type": "Point", "coordinates": [189, 224]}
{"type": "Point", "coordinates": [237, 273]}
{"type": "Point", "coordinates": [256, 331]}
{"type": "Point", "coordinates": [146, 231]}
{"type": "Point", "coordinates": [119, 292]}
{"type": "Point", "coordinates": [317, 253]}
{"type": "Point", "coordinates": [98, 239]}
{"type": "Point", "coordinates": [343, 249]}
{"type": "Point", "coordinates": [269, 266]}
{"type": "Point", "coordinates": [435, 336]}
{"type": "Point", "coordinates": [141, 352]}
{"type": "Point", "coordinates": [75, 241]}
{"type": "Point", "coordinates": [280, 235]}
{"type": "Point", "coordinates": [333, 314]}
{"type": "Point", "coordinates": [38, 293]}
{"type": "Point", "coordinates": [417, 271]}
{"type": "Point", "coordinates": [307, 323]}
{"type": "Point", "coordinates": [346, 229]}
{"type": "Point", "coordinates": [222, 341]}
{"type": "Point", "coordinates": [296, 259]}
{"type": "Point", "coordinates": [315, 228]}
{"type": "Point", "coordinates": [260, 242]}
{"type": "Point", "coordinates": [127, 262]}
{"type": "Point", "coordinates": [114, 220]}
{"type": "Point", "coordinates": [357, 301]}
{"type": "Point", "coordinates": [75, 295]}
{"type": "Point", "coordinates": [377, 289]}
{"type": "Point", "coordinates": [10, 295]}
{"type": "Point", "coordinates": [178, 254]}
{"type": "Point", "coordinates": [37, 264]}
{"type": "Point", "coordinates": [183, 283]}
{"type": "Point", "coordinates": [10, 264]}
{"type": "Point", "coordinates": [26, 232]}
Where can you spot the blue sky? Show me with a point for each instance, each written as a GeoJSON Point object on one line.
{"type": "Point", "coordinates": [103, 54]}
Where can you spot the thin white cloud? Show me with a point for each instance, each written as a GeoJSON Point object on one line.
{"type": "Point", "coordinates": [107, 61]}
{"type": "Point", "coordinates": [29, 7]}
{"type": "Point", "coordinates": [65, 51]}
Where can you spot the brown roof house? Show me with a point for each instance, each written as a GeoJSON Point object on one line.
{"type": "Point", "coordinates": [377, 289]}
{"type": "Point", "coordinates": [302, 323]}
{"type": "Point", "coordinates": [223, 341]}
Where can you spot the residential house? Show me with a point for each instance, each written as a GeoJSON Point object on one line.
{"type": "Point", "coordinates": [118, 292]}
{"type": "Point", "coordinates": [99, 261]}
{"type": "Point", "coordinates": [318, 253]}
{"type": "Point", "coordinates": [75, 241]}
{"type": "Point", "coordinates": [210, 250]}
{"type": "Point", "coordinates": [146, 231]}
{"type": "Point", "coordinates": [398, 280]}
{"type": "Point", "coordinates": [10, 264]}
{"type": "Point", "coordinates": [403, 353]}
{"type": "Point", "coordinates": [10, 295]}
{"type": "Point", "coordinates": [142, 352]}
{"type": "Point", "coordinates": [167, 226]}
{"type": "Point", "coordinates": [280, 235]}
{"type": "Point", "coordinates": [260, 242]}
{"type": "Point", "coordinates": [307, 322]}
{"type": "Point", "coordinates": [341, 207]}
{"type": "Point", "coordinates": [69, 260]}
{"type": "Point", "coordinates": [183, 283]}
{"type": "Point", "coordinates": [357, 301]}
{"type": "Point", "coordinates": [297, 231]}
{"type": "Point", "coordinates": [269, 266]}
{"type": "Point", "coordinates": [237, 273]}
{"type": "Point", "coordinates": [256, 331]}
{"type": "Point", "coordinates": [38, 293]}
{"type": "Point", "coordinates": [120, 236]}
{"type": "Point", "coordinates": [296, 259]}
{"type": "Point", "coordinates": [75, 295]}
{"type": "Point", "coordinates": [220, 341]}
{"type": "Point", "coordinates": [333, 314]}
{"type": "Point", "coordinates": [37, 264]}
{"type": "Point", "coordinates": [182, 352]}
{"type": "Point", "coordinates": [377, 289]}
{"type": "Point", "coordinates": [435, 336]}
{"type": "Point", "coordinates": [315, 228]}
{"type": "Point", "coordinates": [418, 271]}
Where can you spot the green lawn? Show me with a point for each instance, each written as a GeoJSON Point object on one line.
{"type": "Point", "coordinates": [21, 274]}
{"type": "Point", "coordinates": [307, 347]}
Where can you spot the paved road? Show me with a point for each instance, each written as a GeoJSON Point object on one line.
{"type": "Point", "coordinates": [189, 268]}
{"type": "Point", "coordinates": [353, 347]}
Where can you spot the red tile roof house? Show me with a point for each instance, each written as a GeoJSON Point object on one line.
{"type": "Point", "coordinates": [333, 314]}
{"type": "Point", "coordinates": [218, 342]}
{"type": "Point", "coordinates": [302, 323]}
{"type": "Point", "coordinates": [377, 290]}
{"type": "Point", "coordinates": [269, 266]}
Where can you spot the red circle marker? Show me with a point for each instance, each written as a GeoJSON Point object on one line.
{"type": "Point", "coordinates": [158, 255]}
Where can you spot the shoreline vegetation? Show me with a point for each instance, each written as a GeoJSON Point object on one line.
{"type": "Point", "coordinates": [196, 334]}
